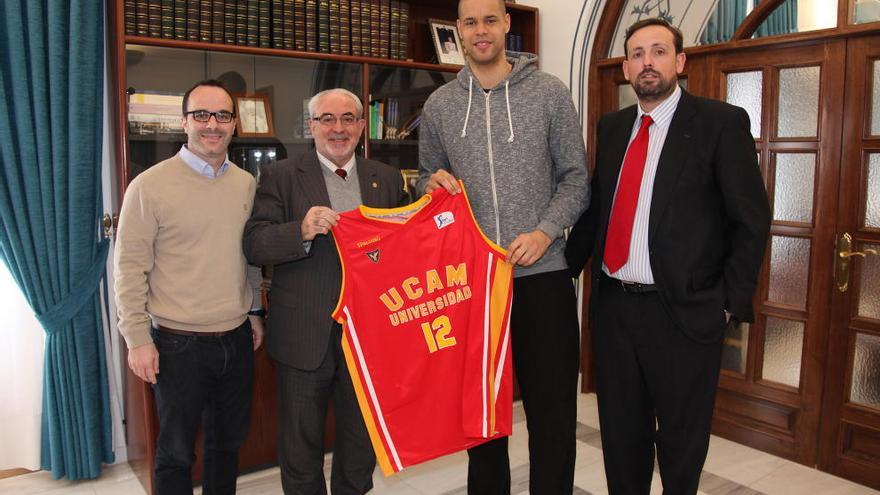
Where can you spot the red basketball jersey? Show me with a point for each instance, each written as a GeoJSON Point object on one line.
{"type": "Point", "coordinates": [425, 306]}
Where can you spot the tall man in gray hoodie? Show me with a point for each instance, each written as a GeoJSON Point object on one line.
{"type": "Point", "coordinates": [511, 133]}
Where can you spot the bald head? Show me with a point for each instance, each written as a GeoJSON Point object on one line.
{"type": "Point", "coordinates": [499, 3]}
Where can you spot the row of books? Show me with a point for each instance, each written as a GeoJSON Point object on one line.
{"type": "Point", "coordinates": [369, 28]}
{"type": "Point", "coordinates": [385, 120]}
{"type": "Point", "coordinates": [513, 42]}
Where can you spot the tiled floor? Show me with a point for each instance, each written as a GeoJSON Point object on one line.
{"type": "Point", "coordinates": [730, 469]}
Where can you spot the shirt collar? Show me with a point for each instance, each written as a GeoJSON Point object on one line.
{"type": "Point", "coordinates": [201, 166]}
{"type": "Point", "coordinates": [349, 165]}
{"type": "Point", "coordinates": [662, 113]}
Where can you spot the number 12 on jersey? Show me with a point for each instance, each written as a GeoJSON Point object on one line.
{"type": "Point", "coordinates": [437, 334]}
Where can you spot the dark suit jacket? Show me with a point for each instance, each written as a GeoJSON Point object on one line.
{"type": "Point", "coordinates": [709, 219]}
{"type": "Point", "coordinates": [305, 286]}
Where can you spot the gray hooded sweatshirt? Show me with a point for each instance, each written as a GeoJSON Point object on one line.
{"type": "Point", "coordinates": [519, 150]}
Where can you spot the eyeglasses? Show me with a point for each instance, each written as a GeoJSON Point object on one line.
{"type": "Point", "coordinates": [222, 117]}
{"type": "Point", "coordinates": [328, 119]}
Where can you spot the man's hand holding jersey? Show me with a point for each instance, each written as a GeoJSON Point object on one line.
{"type": "Point", "coordinates": [318, 220]}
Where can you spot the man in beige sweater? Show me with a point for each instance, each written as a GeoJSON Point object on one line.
{"type": "Point", "coordinates": [185, 302]}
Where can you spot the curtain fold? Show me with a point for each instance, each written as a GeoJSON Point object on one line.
{"type": "Point", "coordinates": [729, 14]}
{"type": "Point", "coordinates": [51, 63]}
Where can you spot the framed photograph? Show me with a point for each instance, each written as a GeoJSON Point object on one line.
{"type": "Point", "coordinates": [447, 43]}
{"type": "Point", "coordinates": [254, 115]}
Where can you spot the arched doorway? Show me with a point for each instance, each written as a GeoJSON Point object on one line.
{"type": "Point", "coordinates": [803, 381]}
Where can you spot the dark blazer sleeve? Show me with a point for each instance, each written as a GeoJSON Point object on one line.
{"type": "Point", "coordinates": [269, 236]}
{"type": "Point", "coordinates": [747, 210]}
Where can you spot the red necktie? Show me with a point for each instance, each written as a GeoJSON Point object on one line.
{"type": "Point", "coordinates": [624, 211]}
{"type": "Point", "coordinates": [342, 173]}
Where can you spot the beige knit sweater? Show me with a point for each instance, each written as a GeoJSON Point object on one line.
{"type": "Point", "coordinates": [178, 254]}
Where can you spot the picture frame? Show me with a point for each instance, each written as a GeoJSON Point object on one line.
{"type": "Point", "coordinates": [254, 115]}
{"type": "Point", "coordinates": [447, 42]}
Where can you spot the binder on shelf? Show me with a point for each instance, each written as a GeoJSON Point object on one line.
{"type": "Point", "coordinates": [218, 21]}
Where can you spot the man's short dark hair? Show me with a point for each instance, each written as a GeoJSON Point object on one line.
{"type": "Point", "coordinates": [654, 21]}
{"type": "Point", "coordinates": [503, 7]}
{"type": "Point", "coordinates": [207, 82]}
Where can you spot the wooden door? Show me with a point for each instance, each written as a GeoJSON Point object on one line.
{"type": "Point", "coordinates": [771, 385]}
{"type": "Point", "coordinates": [850, 429]}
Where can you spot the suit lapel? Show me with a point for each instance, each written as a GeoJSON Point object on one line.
{"type": "Point", "coordinates": [618, 145]}
{"type": "Point", "coordinates": [368, 178]}
{"type": "Point", "coordinates": [311, 180]}
{"type": "Point", "coordinates": [672, 159]}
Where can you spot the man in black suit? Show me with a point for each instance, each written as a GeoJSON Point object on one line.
{"type": "Point", "coordinates": [677, 231]}
{"type": "Point", "coordinates": [295, 206]}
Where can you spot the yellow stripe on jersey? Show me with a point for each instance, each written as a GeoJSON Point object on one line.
{"type": "Point", "coordinates": [395, 215]}
{"type": "Point", "coordinates": [370, 421]}
{"type": "Point", "coordinates": [497, 323]}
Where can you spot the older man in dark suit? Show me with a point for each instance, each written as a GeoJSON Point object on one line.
{"type": "Point", "coordinates": [677, 231]}
{"type": "Point", "coordinates": [295, 206]}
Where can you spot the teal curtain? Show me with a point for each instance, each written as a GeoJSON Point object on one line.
{"type": "Point", "coordinates": [729, 14]}
{"type": "Point", "coordinates": [51, 85]}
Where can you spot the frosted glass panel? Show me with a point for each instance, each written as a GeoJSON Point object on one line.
{"type": "Point", "coordinates": [736, 348]}
{"type": "Point", "coordinates": [783, 344]}
{"type": "Point", "coordinates": [875, 96]}
{"type": "Point", "coordinates": [626, 96]}
{"type": "Point", "coordinates": [866, 11]}
{"type": "Point", "coordinates": [798, 102]}
{"type": "Point", "coordinates": [744, 89]}
{"type": "Point", "coordinates": [869, 289]}
{"type": "Point", "coordinates": [793, 194]}
{"type": "Point", "coordinates": [872, 204]}
{"type": "Point", "coordinates": [789, 264]}
{"type": "Point", "coordinates": [866, 371]}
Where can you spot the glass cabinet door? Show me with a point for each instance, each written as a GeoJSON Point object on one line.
{"type": "Point", "coordinates": [271, 92]}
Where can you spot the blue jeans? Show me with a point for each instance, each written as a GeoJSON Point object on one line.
{"type": "Point", "coordinates": [207, 380]}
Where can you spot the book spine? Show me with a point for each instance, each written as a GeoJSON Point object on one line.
{"type": "Point", "coordinates": [299, 25]}
{"type": "Point", "coordinates": [355, 23]}
{"type": "Point", "coordinates": [324, 26]}
{"type": "Point", "coordinates": [335, 33]}
{"type": "Point", "coordinates": [253, 21]}
{"type": "Point", "coordinates": [167, 14]}
{"type": "Point", "coordinates": [218, 21]}
{"type": "Point", "coordinates": [205, 18]}
{"type": "Point", "coordinates": [403, 54]}
{"type": "Point", "coordinates": [142, 18]}
{"type": "Point", "coordinates": [345, 27]}
{"type": "Point", "coordinates": [375, 28]}
{"type": "Point", "coordinates": [384, 28]}
{"type": "Point", "coordinates": [394, 25]}
{"type": "Point", "coordinates": [287, 24]}
{"type": "Point", "coordinates": [264, 24]}
{"type": "Point", "coordinates": [311, 25]}
{"type": "Point", "coordinates": [277, 17]}
{"type": "Point", "coordinates": [229, 11]}
{"type": "Point", "coordinates": [241, 22]}
{"type": "Point", "coordinates": [154, 12]}
{"type": "Point", "coordinates": [130, 17]}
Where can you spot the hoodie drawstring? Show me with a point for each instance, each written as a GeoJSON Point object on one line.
{"type": "Point", "coordinates": [509, 118]}
{"type": "Point", "coordinates": [468, 113]}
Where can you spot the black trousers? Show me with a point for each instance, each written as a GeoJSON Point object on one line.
{"type": "Point", "coordinates": [207, 380]}
{"type": "Point", "coordinates": [655, 386]}
{"type": "Point", "coordinates": [302, 400]}
{"type": "Point", "coordinates": [546, 348]}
